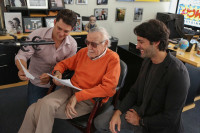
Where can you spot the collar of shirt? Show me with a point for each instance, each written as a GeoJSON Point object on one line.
{"type": "Point", "coordinates": [49, 36]}
{"type": "Point", "coordinates": [100, 55]}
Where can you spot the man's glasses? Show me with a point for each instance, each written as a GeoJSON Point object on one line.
{"type": "Point", "coordinates": [93, 44]}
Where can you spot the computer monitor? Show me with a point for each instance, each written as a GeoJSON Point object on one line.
{"type": "Point", "coordinates": [191, 11]}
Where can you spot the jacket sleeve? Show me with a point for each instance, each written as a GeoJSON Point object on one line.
{"type": "Point", "coordinates": [108, 85]}
{"type": "Point", "coordinates": [177, 90]}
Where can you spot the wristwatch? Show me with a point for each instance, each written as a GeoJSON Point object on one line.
{"type": "Point", "coordinates": [141, 122]}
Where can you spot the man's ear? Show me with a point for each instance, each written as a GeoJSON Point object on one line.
{"type": "Point", "coordinates": [106, 43]}
{"type": "Point", "coordinates": [54, 22]}
{"type": "Point", "coordinates": [156, 43]}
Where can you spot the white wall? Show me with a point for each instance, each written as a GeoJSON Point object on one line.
{"type": "Point", "coordinates": [122, 30]}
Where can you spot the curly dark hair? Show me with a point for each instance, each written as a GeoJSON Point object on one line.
{"type": "Point", "coordinates": [154, 30]}
{"type": "Point", "coordinates": [69, 17]}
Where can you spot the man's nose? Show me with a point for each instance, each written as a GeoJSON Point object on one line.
{"type": "Point", "coordinates": [62, 33]}
{"type": "Point", "coordinates": [137, 46]}
{"type": "Point", "coordinates": [89, 46]}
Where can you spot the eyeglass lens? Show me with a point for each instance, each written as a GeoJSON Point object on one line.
{"type": "Point", "coordinates": [93, 44]}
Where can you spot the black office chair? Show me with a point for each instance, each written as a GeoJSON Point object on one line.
{"type": "Point", "coordinates": [85, 122]}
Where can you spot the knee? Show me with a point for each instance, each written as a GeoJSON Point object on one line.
{"type": "Point", "coordinates": [44, 103]}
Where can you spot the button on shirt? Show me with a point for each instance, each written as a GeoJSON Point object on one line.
{"type": "Point", "coordinates": [44, 60]}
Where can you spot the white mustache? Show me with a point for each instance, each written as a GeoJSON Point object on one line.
{"type": "Point", "coordinates": [90, 51]}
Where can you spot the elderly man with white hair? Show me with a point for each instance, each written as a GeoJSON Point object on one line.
{"type": "Point", "coordinates": [97, 71]}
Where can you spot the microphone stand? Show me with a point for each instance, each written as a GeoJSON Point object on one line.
{"type": "Point", "coordinates": [23, 42]}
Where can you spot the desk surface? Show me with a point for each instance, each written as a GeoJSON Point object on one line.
{"type": "Point", "coordinates": [7, 37]}
{"type": "Point", "coordinates": [187, 57]}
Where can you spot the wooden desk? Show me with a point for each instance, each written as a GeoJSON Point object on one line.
{"type": "Point", "coordinates": [7, 37]}
{"type": "Point", "coordinates": [187, 57]}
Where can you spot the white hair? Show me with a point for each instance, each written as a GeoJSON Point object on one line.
{"type": "Point", "coordinates": [103, 32]}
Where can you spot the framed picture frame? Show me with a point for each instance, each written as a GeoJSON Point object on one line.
{"type": "Point", "coordinates": [138, 13]}
{"type": "Point", "coordinates": [81, 2]}
{"type": "Point", "coordinates": [1, 17]}
{"type": "Point", "coordinates": [102, 2]}
{"type": "Point", "coordinates": [120, 14]}
{"type": "Point", "coordinates": [13, 21]}
{"type": "Point", "coordinates": [31, 23]}
{"type": "Point", "coordinates": [37, 4]}
{"type": "Point", "coordinates": [127, 0]}
{"type": "Point", "coordinates": [56, 4]}
{"type": "Point", "coordinates": [78, 26]}
{"type": "Point", "coordinates": [18, 3]}
{"type": "Point", "coordinates": [69, 2]}
{"type": "Point", "coordinates": [101, 13]}
{"type": "Point", "coordinates": [49, 21]}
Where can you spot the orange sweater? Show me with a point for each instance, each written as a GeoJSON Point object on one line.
{"type": "Point", "coordinates": [96, 78]}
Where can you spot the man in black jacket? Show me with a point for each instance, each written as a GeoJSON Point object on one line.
{"type": "Point", "coordinates": [155, 102]}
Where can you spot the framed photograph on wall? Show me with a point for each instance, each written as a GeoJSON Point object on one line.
{"type": "Point", "coordinates": [37, 4]}
{"type": "Point", "coordinates": [18, 3]}
{"type": "Point", "coordinates": [31, 24]}
{"type": "Point", "coordinates": [78, 26]}
{"type": "Point", "coordinates": [13, 21]}
{"type": "Point", "coordinates": [126, 0]}
{"type": "Point", "coordinates": [120, 14]}
{"type": "Point", "coordinates": [101, 13]}
{"type": "Point", "coordinates": [138, 14]}
{"type": "Point", "coordinates": [69, 2]}
{"type": "Point", "coordinates": [56, 4]}
{"type": "Point", "coordinates": [81, 2]}
{"type": "Point", "coordinates": [49, 21]}
{"type": "Point", "coordinates": [102, 2]}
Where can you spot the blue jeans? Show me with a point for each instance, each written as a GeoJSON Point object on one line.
{"type": "Point", "coordinates": [35, 93]}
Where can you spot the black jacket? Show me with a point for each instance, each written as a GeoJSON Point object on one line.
{"type": "Point", "coordinates": [161, 106]}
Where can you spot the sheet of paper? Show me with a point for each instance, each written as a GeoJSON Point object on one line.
{"type": "Point", "coordinates": [65, 82]}
{"type": "Point", "coordinates": [28, 75]}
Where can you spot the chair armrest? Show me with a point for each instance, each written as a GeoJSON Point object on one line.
{"type": "Point", "coordinates": [98, 102]}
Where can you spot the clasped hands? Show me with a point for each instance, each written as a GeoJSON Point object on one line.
{"type": "Point", "coordinates": [131, 117]}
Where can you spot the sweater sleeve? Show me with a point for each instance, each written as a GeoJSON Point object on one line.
{"type": "Point", "coordinates": [69, 63]}
{"type": "Point", "coordinates": [107, 87]}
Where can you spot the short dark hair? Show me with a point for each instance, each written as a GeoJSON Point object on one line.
{"type": "Point", "coordinates": [69, 17]}
{"type": "Point", "coordinates": [17, 19]}
{"type": "Point", "coordinates": [154, 30]}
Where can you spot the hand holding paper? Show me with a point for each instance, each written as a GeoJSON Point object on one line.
{"type": "Point", "coordinates": [65, 82]}
{"type": "Point", "coordinates": [28, 75]}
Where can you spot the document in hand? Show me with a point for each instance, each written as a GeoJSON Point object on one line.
{"type": "Point", "coordinates": [65, 82]}
{"type": "Point", "coordinates": [28, 75]}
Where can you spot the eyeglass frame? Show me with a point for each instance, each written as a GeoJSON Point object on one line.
{"type": "Point", "coordinates": [93, 44]}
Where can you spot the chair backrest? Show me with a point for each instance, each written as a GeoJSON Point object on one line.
{"type": "Point", "coordinates": [123, 74]}
{"type": "Point", "coordinates": [113, 100]}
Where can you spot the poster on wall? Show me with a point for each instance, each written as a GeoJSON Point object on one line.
{"type": "Point", "coordinates": [145, 0]}
{"type": "Point", "coordinates": [69, 2]}
{"type": "Point", "coordinates": [126, 0]}
{"type": "Point", "coordinates": [120, 14]}
{"type": "Point", "coordinates": [101, 13]}
{"type": "Point", "coordinates": [138, 14]}
{"type": "Point", "coordinates": [81, 2]}
{"type": "Point", "coordinates": [102, 2]}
